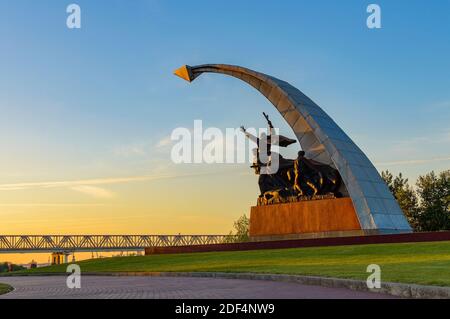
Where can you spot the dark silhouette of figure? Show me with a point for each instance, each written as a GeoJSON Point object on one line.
{"type": "Point", "coordinates": [297, 178]}
{"type": "Point", "coordinates": [307, 178]}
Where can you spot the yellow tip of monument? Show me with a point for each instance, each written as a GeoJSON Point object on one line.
{"type": "Point", "coordinates": [184, 72]}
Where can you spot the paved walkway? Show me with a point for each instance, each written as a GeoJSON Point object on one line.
{"type": "Point", "coordinates": [139, 287]}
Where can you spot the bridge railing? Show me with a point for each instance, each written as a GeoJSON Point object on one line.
{"type": "Point", "coordinates": [72, 243]}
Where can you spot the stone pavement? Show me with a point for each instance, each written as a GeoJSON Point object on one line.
{"type": "Point", "coordinates": [141, 287]}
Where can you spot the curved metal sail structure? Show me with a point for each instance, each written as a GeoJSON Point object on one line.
{"type": "Point", "coordinates": [323, 141]}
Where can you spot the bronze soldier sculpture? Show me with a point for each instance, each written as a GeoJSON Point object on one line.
{"type": "Point", "coordinates": [269, 179]}
{"type": "Point", "coordinates": [294, 180]}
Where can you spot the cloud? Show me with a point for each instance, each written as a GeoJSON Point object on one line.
{"type": "Point", "coordinates": [93, 191]}
{"type": "Point", "coordinates": [80, 185]}
{"type": "Point", "coordinates": [32, 205]}
{"type": "Point", "coordinates": [442, 137]}
{"type": "Point", "coordinates": [439, 105]}
{"type": "Point", "coordinates": [166, 141]}
{"type": "Point", "coordinates": [414, 162]}
{"type": "Point", "coordinates": [141, 149]}
{"type": "Point", "coordinates": [84, 182]}
{"type": "Point", "coordinates": [136, 149]}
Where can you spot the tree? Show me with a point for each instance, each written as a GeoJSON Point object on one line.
{"type": "Point", "coordinates": [242, 230]}
{"type": "Point", "coordinates": [405, 196]}
{"type": "Point", "coordinates": [6, 267]}
{"type": "Point", "coordinates": [434, 192]}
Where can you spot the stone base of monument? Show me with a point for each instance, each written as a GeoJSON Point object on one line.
{"type": "Point", "coordinates": [305, 219]}
{"type": "Point", "coordinates": [302, 243]}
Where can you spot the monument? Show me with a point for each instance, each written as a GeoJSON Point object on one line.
{"type": "Point", "coordinates": [331, 188]}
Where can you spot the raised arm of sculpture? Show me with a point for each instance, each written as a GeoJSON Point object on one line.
{"type": "Point", "coordinates": [250, 136]}
{"type": "Point", "coordinates": [269, 123]}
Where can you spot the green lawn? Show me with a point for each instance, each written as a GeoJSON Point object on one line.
{"type": "Point", "coordinates": [5, 288]}
{"type": "Point", "coordinates": [421, 263]}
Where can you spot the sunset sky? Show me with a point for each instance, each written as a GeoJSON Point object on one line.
{"type": "Point", "coordinates": [86, 115]}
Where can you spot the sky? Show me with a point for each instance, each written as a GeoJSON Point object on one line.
{"type": "Point", "coordinates": [86, 114]}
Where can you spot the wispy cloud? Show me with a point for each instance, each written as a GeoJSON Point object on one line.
{"type": "Point", "coordinates": [445, 104]}
{"type": "Point", "coordinates": [135, 149]}
{"type": "Point", "coordinates": [165, 141]}
{"type": "Point", "coordinates": [142, 148]}
{"type": "Point", "coordinates": [414, 161]}
{"type": "Point", "coordinates": [82, 185]}
{"type": "Point", "coordinates": [443, 136]}
{"type": "Point", "coordinates": [33, 205]}
{"type": "Point", "coordinates": [93, 191]}
{"type": "Point", "coordinates": [84, 182]}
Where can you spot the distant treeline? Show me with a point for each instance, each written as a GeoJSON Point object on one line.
{"type": "Point", "coordinates": [427, 206]}
{"type": "Point", "coordinates": [6, 267]}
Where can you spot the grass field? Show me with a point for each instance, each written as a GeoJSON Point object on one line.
{"type": "Point", "coordinates": [5, 288]}
{"type": "Point", "coordinates": [421, 263]}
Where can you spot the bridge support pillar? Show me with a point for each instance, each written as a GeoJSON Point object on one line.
{"type": "Point", "coordinates": [59, 258]}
